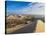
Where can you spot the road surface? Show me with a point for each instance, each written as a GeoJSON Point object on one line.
{"type": "Point", "coordinates": [27, 29]}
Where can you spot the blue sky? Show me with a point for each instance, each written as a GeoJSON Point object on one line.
{"type": "Point", "coordinates": [12, 5]}
{"type": "Point", "coordinates": [19, 7]}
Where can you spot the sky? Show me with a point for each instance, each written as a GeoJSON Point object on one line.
{"type": "Point", "coordinates": [12, 5]}
{"type": "Point", "coordinates": [19, 7]}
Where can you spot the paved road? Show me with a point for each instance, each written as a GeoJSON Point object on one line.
{"type": "Point", "coordinates": [27, 29]}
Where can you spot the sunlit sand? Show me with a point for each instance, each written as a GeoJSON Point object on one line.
{"type": "Point", "coordinates": [40, 26]}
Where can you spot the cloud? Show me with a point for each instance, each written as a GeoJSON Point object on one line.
{"type": "Point", "coordinates": [34, 9]}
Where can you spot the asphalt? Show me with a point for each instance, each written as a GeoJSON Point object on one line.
{"type": "Point", "coordinates": [30, 28]}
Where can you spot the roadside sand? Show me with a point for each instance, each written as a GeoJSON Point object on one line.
{"type": "Point", "coordinates": [40, 27]}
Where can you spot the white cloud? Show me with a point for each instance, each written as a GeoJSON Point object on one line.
{"type": "Point", "coordinates": [34, 9]}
